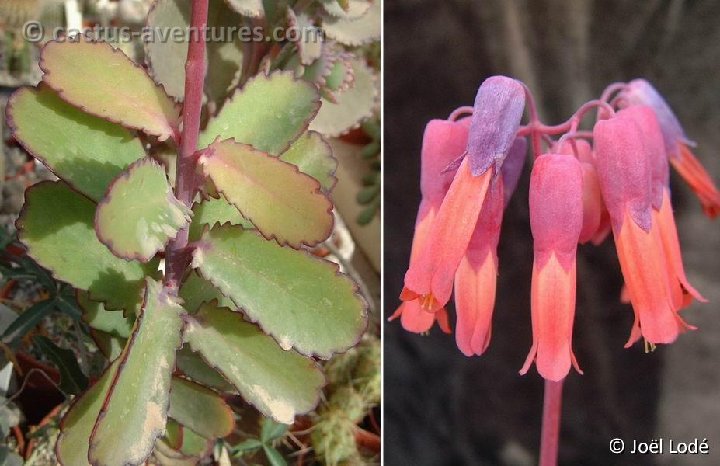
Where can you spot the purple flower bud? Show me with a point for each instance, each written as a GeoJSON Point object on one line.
{"type": "Point", "coordinates": [499, 106]}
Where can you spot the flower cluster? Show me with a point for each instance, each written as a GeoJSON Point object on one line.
{"type": "Point", "coordinates": [584, 185]}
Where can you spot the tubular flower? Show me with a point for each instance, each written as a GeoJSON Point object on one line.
{"type": "Point", "coordinates": [444, 141]}
{"type": "Point", "coordinates": [556, 220]}
{"type": "Point", "coordinates": [681, 290]}
{"type": "Point", "coordinates": [496, 118]}
{"type": "Point", "coordinates": [587, 185]}
{"type": "Point", "coordinates": [677, 145]}
{"type": "Point", "coordinates": [623, 161]}
{"type": "Point", "coordinates": [475, 278]}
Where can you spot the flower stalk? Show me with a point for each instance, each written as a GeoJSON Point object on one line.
{"type": "Point", "coordinates": [552, 410]}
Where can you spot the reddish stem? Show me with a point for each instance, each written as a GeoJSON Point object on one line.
{"type": "Point", "coordinates": [550, 437]}
{"type": "Point", "coordinates": [534, 122]}
{"type": "Point", "coordinates": [176, 254]}
{"type": "Point", "coordinates": [612, 89]}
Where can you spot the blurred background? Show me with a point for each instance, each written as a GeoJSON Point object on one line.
{"type": "Point", "coordinates": [442, 408]}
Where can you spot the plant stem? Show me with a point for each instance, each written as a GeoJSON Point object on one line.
{"type": "Point", "coordinates": [550, 437]}
{"type": "Point", "coordinates": [176, 255]}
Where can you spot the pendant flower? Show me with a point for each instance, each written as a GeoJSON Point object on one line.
{"type": "Point", "coordinates": [627, 148]}
{"type": "Point", "coordinates": [496, 117]}
{"type": "Point", "coordinates": [443, 142]}
{"type": "Point", "coordinates": [556, 220]}
{"type": "Point", "coordinates": [585, 185]}
{"type": "Point", "coordinates": [677, 145]}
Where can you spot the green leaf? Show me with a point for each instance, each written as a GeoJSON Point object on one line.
{"type": "Point", "coordinates": [167, 57]}
{"type": "Point", "coordinates": [27, 321]}
{"type": "Point", "coordinates": [213, 211]}
{"type": "Point", "coordinates": [341, 75]}
{"type": "Point", "coordinates": [110, 86]}
{"type": "Point", "coordinates": [200, 409]}
{"type": "Point", "coordinates": [246, 446]}
{"type": "Point", "coordinates": [196, 291]}
{"type": "Point", "coordinates": [274, 457]}
{"type": "Point", "coordinates": [194, 444]}
{"type": "Point", "coordinates": [358, 30]}
{"type": "Point", "coordinates": [225, 56]}
{"type": "Point", "coordinates": [56, 224]}
{"type": "Point", "coordinates": [302, 301]}
{"type": "Point", "coordinates": [135, 412]}
{"type": "Point", "coordinates": [275, 196]}
{"type": "Point", "coordinates": [140, 213]}
{"type": "Point", "coordinates": [272, 430]}
{"type": "Point", "coordinates": [85, 151]}
{"type": "Point", "coordinates": [313, 156]}
{"type": "Point", "coordinates": [99, 318]}
{"type": "Point", "coordinates": [269, 113]}
{"type": "Point", "coordinates": [352, 105]}
{"type": "Point", "coordinates": [173, 433]}
{"type": "Point", "coordinates": [192, 365]}
{"type": "Point", "coordinates": [279, 383]}
{"type": "Point", "coordinates": [72, 379]}
{"type": "Point", "coordinates": [77, 425]}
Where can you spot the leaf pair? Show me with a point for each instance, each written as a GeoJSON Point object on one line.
{"type": "Point", "coordinates": [66, 123]}
{"type": "Point", "coordinates": [132, 393]}
{"type": "Point", "coordinates": [120, 418]}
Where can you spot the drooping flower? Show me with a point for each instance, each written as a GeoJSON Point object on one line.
{"type": "Point", "coordinates": [443, 142]}
{"type": "Point", "coordinates": [681, 290]}
{"type": "Point", "coordinates": [677, 145]}
{"type": "Point", "coordinates": [586, 186]}
{"type": "Point", "coordinates": [476, 276]}
{"type": "Point", "coordinates": [623, 158]}
{"type": "Point", "coordinates": [494, 123]}
{"type": "Point", "coordinates": [556, 220]}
